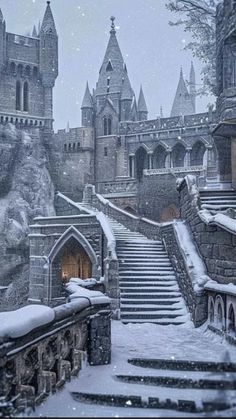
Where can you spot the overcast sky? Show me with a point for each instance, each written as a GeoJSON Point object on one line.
{"type": "Point", "coordinates": [152, 49]}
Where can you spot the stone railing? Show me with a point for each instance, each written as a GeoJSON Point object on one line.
{"type": "Point", "coordinates": [118, 187]}
{"type": "Point", "coordinates": [189, 268]}
{"type": "Point", "coordinates": [149, 172]}
{"type": "Point", "coordinates": [159, 124]}
{"type": "Point", "coordinates": [37, 359]}
{"type": "Point", "coordinates": [150, 229]}
{"type": "Point", "coordinates": [22, 120]}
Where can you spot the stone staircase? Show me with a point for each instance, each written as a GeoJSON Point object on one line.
{"type": "Point", "coordinates": [148, 285]}
{"type": "Point", "coordinates": [218, 201]}
{"type": "Point", "coordinates": [168, 385]}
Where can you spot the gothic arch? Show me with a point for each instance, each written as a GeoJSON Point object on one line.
{"type": "Point", "coordinates": [159, 157]}
{"type": "Point", "coordinates": [197, 154]}
{"type": "Point", "coordinates": [211, 312]}
{"type": "Point", "coordinates": [231, 320]}
{"type": "Point", "coordinates": [178, 155]}
{"type": "Point", "coordinates": [141, 162]}
{"type": "Point", "coordinates": [219, 312]}
{"type": "Point", "coordinates": [69, 233]}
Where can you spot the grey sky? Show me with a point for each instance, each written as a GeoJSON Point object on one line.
{"type": "Point", "coordinates": [153, 50]}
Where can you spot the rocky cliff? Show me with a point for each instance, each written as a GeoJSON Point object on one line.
{"type": "Point", "coordinates": [26, 191]}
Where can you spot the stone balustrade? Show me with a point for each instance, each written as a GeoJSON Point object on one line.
{"type": "Point", "coordinates": [36, 364]}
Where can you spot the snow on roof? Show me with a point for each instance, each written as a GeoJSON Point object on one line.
{"type": "Point", "coordinates": [195, 266]}
{"type": "Point", "coordinates": [19, 322]}
{"type": "Point", "coordinates": [225, 288]}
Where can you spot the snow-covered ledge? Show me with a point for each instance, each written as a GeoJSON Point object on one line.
{"type": "Point", "coordinates": [194, 264]}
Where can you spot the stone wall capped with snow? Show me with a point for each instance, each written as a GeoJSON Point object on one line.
{"type": "Point", "coordinates": [26, 191]}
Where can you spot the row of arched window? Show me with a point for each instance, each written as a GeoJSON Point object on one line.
{"type": "Point", "coordinates": [22, 96]}
{"type": "Point", "coordinates": [222, 319]}
{"type": "Point", "coordinates": [160, 158]}
{"type": "Point", "coordinates": [71, 147]}
{"type": "Point", "coordinates": [23, 71]}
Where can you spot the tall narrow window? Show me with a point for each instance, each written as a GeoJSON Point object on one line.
{"type": "Point", "coordinates": [26, 97]}
{"type": "Point", "coordinates": [109, 126]}
{"type": "Point", "coordinates": [18, 95]}
{"type": "Point", "coordinates": [105, 151]}
{"type": "Point", "coordinates": [104, 126]}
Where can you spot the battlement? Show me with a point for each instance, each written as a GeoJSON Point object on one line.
{"type": "Point", "coordinates": [76, 139]}
{"type": "Point", "coordinates": [162, 124]}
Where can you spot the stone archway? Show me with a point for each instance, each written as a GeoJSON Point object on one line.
{"type": "Point", "coordinates": [141, 162]}
{"type": "Point", "coordinates": [71, 256]}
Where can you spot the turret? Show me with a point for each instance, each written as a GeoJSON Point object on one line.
{"type": "Point", "coordinates": [182, 104]}
{"type": "Point", "coordinates": [87, 108]}
{"type": "Point", "coordinates": [126, 99]}
{"type": "Point", "coordinates": [142, 107]}
{"type": "Point", "coordinates": [192, 86]}
{"type": "Point", "coordinates": [2, 41]}
{"type": "Point", "coordinates": [48, 49]}
{"type": "Point", "coordinates": [34, 32]}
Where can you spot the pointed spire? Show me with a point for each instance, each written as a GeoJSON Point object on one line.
{"type": "Point", "coordinates": [142, 107]}
{"type": "Point", "coordinates": [127, 91]}
{"type": "Point", "coordinates": [1, 15]}
{"type": "Point", "coordinates": [39, 27]}
{"type": "Point", "coordinates": [68, 127]}
{"type": "Point", "coordinates": [112, 25]}
{"type": "Point", "coordinates": [34, 33]}
{"type": "Point", "coordinates": [192, 87]}
{"type": "Point", "coordinates": [87, 100]}
{"type": "Point", "coordinates": [182, 104]}
{"type": "Point", "coordinates": [48, 24]}
{"type": "Point", "coordinates": [134, 110]}
{"type": "Point", "coordinates": [161, 112]}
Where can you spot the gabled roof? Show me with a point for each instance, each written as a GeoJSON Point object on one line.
{"type": "Point", "coordinates": [142, 107]}
{"type": "Point", "coordinates": [87, 100]}
{"type": "Point", "coordinates": [48, 24]}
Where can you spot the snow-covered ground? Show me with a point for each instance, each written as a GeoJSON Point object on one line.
{"type": "Point", "coordinates": [147, 340]}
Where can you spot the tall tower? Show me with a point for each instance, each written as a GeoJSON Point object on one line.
{"type": "Point", "coordinates": [2, 41]}
{"type": "Point", "coordinates": [142, 107]}
{"type": "Point", "coordinates": [192, 86]}
{"type": "Point", "coordinates": [48, 58]}
{"type": "Point", "coordinates": [87, 108]}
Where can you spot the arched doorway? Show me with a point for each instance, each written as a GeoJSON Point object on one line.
{"type": "Point", "coordinates": [141, 162]}
{"type": "Point", "coordinates": [231, 321]}
{"type": "Point", "coordinates": [74, 261]}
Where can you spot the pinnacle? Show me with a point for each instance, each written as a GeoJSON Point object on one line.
{"type": "Point", "coordinates": [142, 107]}
{"type": "Point", "coordinates": [48, 24]}
{"type": "Point", "coordinates": [87, 100]}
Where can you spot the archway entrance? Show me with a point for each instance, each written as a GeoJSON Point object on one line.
{"type": "Point", "coordinates": [72, 261]}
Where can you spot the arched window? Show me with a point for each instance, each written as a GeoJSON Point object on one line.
{"type": "Point", "coordinates": [178, 154]}
{"type": "Point", "coordinates": [18, 95]}
{"type": "Point", "coordinates": [211, 313]}
{"type": "Point", "coordinates": [27, 70]}
{"type": "Point", "coordinates": [26, 97]}
{"type": "Point", "coordinates": [104, 126]}
{"type": "Point", "coordinates": [231, 320]}
{"type": "Point", "coordinates": [197, 154]}
{"type": "Point", "coordinates": [35, 72]}
{"type": "Point", "coordinates": [107, 125]}
{"type": "Point", "coordinates": [219, 315]}
{"type": "Point", "coordinates": [13, 68]}
{"type": "Point", "coordinates": [141, 162]}
{"type": "Point", "coordinates": [159, 157]}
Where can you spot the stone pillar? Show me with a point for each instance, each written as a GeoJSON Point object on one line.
{"type": "Point", "coordinates": [168, 160]}
{"type": "Point", "coordinates": [187, 160]}
{"type": "Point", "coordinates": [233, 162]}
{"type": "Point", "coordinates": [150, 160]}
{"type": "Point", "coordinates": [48, 106]}
{"type": "Point", "coordinates": [99, 339]}
{"type": "Point", "coordinates": [22, 96]}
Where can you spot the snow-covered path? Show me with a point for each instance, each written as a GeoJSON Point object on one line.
{"type": "Point", "coordinates": [147, 340]}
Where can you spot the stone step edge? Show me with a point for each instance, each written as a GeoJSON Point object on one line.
{"type": "Point", "coordinates": [121, 400]}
